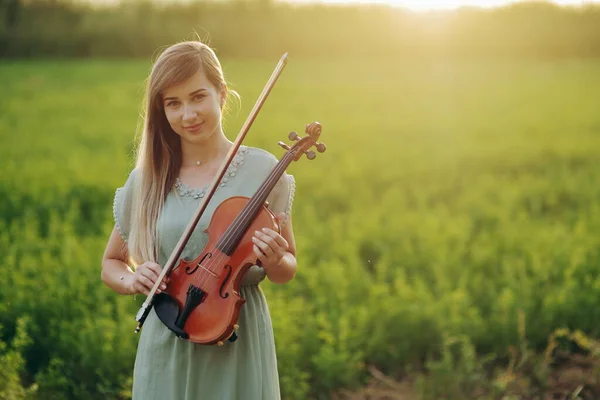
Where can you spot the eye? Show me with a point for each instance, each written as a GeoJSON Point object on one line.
{"type": "Point", "coordinates": [199, 97]}
{"type": "Point", "coordinates": [172, 103]}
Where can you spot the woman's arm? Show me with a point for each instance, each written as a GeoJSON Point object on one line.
{"type": "Point", "coordinates": [116, 273]}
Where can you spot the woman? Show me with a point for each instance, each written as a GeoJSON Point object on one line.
{"type": "Point", "coordinates": [182, 147]}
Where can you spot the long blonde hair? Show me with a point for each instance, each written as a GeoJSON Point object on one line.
{"type": "Point", "coordinates": [158, 157]}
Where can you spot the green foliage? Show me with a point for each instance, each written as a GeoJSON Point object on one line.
{"type": "Point", "coordinates": [569, 368]}
{"type": "Point", "coordinates": [12, 365]}
{"type": "Point", "coordinates": [455, 208]}
{"type": "Point", "coordinates": [75, 322]}
{"type": "Point", "coordinates": [457, 374]}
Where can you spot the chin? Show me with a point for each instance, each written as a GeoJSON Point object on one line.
{"type": "Point", "coordinates": [196, 137]}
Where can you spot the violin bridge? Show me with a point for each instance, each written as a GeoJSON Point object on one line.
{"type": "Point", "coordinates": [208, 270]}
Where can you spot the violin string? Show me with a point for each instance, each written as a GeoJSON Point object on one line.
{"type": "Point", "coordinates": [228, 241]}
{"type": "Point", "coordinates": [198, 279]}
{"type": "Point", "coordinates": [203, 276]}
{"type": "Point", "coordinates": [232, 233]}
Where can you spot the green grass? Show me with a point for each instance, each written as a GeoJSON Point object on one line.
{"type": "Point", "coordinates": [452, 196]}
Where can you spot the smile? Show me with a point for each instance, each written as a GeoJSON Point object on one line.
{"type": "Point", "coordinates": [193, 128]}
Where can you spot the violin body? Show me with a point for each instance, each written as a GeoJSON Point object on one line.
{"type": "Point", "coordinates": [202, 301]}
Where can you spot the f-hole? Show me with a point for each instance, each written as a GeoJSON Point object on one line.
{"type": "Point", "coordinates": [187, 269]}
{"type": "Point", "coordinates": [226, 295]}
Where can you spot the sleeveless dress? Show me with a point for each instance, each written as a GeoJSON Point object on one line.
{"type": "Point", "coordinates": [169, 368]}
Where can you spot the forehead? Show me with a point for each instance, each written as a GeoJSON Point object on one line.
{"type": "Point", "coordinates": [184, 88]}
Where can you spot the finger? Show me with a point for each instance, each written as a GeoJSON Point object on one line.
{"type": "Point", "coordinates": [152, 267]}
{"type": "Point", "coordinates": [277, 237]}
{"type": "Point", "coordinates": [146, 282]}
{"type": "Point", "coordinates": [151, 270]}
{"type": "Point", "coordinates": [156, 268]}
{"type": "Point", "coordinates": [148, 273]}
{"type": "Point", "coordinates": [139, 288]}
{"type": "Point", "coordinates": [260, 255]}
{"type": "Point", "coordinates": [162, 286]}
{"type": "Point", "coordinates": [257, 252]}
{"type": "Point", "coordinates": [149, 284]}
{"type": "Point", "coordinates": [270, 241]}
{"type": "Point", "coordinates": [266, 249]}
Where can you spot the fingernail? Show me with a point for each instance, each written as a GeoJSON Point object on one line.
{"type": "Point", "coordinates": [157, 291]}
{"type": "Point", "coordinates": [264, 229]}
{"type": "Point", "coordinates": [163, 286]}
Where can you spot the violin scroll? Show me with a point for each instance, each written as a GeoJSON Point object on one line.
{"type": "Point", "coordinates": [303, 145]}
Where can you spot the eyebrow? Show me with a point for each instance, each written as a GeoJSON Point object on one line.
{"type": "Point", "coordinates": [191, 94]}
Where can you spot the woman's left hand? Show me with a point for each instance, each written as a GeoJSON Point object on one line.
{"type": "Point", "coordinates": [269, 246]}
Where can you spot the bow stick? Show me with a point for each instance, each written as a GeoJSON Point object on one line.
{"type": "Point", "coordinates": [147, 305]}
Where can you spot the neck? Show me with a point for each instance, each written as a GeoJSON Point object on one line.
{"type": "Point", "coordinates": [205, 152]}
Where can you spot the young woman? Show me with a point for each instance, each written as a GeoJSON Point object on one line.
{"type": "Point", "coordinates": [182, 147]}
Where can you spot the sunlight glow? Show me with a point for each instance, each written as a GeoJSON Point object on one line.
{"type": "Point", "coordinates": [428, 5]}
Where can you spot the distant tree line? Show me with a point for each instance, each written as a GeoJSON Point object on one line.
{"type": "Point", "coordinates": [61, 28]}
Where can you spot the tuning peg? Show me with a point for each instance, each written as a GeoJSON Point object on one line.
{"type": "Point", "coordinates": [310, 154]}
{"type": "Point", "coordinates": [285, 146]}
{"type": "Point", "coordinates": [321, 147]}
{"type": "Point", "coordinates": [293, 136]}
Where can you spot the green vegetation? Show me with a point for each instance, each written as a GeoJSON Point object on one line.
{"type": "Point", "coordinates": [448, 238]}
{"type": "Point", "coordinates": [454, 198]}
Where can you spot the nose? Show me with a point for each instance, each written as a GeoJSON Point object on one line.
{"type": "Point", "coordinates": [189, 113]}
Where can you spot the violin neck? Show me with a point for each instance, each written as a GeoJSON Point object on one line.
{"type": "Point", "coordinates": [233, 235]}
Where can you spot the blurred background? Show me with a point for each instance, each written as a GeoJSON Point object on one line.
{"type": "Point", "coordinates": [448, 240]}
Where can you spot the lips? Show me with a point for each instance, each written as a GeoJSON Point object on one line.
{"type": "Point", "coordinates": [193, 128]}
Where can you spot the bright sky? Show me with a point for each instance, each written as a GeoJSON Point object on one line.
{"type": "Point", "coordinates": [424, 5]}
{"type": "Point", "coordinates": [415, 5]}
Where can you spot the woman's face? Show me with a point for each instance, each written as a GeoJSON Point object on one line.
{"type": "Point", "coordinates": [193, 108]}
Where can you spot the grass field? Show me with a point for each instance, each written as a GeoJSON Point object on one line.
{"type": "Point", "coordinates": [453, 198]}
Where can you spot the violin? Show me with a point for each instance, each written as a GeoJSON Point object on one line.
{"type": "Point", "coordinates": [202, 301]}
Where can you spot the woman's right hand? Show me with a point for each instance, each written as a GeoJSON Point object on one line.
{"type": "Point", "coordinates": [144, 277]}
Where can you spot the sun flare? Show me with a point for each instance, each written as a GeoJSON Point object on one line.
{"type": "Point", "coordinates": [427, 5]}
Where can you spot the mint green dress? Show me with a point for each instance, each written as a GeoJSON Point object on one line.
{"type": "Point", "coordinates": [168, 368]}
